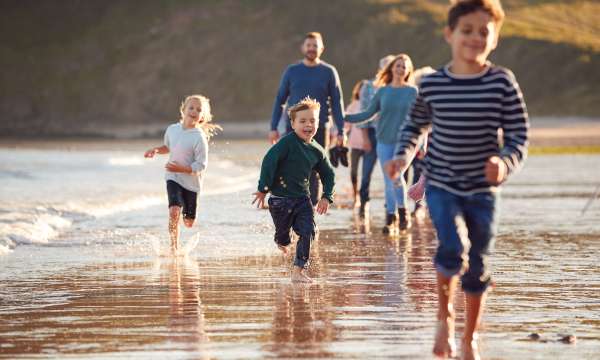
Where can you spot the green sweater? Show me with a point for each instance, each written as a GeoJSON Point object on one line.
{"type": "Point", "coordinates": [287, 166]}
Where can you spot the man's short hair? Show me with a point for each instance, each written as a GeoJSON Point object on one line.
{"type": "Point", "coordinates": [305, 104]}
{"type": "Point", "coordinates": [460, 8]}
{"type": "Point", "coordinates": [314, 35]}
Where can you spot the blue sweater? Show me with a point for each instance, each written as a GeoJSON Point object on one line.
{"type": "Point", "coordinates": [393, 105]}
{"type": "Point", "coordinates": [320, 82]}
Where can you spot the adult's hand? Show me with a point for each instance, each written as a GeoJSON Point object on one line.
{"type": "Point", "coordinates": [273, 136]}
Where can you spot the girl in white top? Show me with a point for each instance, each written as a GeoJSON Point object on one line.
{"type": "Point", "coordinates": [186, 142]}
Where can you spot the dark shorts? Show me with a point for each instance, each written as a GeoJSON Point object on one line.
{"type": "Point", "coordinates": [186, 199]}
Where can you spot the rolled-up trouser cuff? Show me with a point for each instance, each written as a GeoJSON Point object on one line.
{"type": "Point", "coordinates": [301, 263]}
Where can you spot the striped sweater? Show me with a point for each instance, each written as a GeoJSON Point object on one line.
{"type": "Point", "coordinates": [466, 114]}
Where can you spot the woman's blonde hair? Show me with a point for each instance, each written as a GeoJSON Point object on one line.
{"type": "Point", "coordinates": [205, 114]}
{"type": "Point", "coordinates": [384, 76]}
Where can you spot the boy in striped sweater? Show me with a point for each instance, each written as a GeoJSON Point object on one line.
{"type": "Point", "coordinates": [467, 103]}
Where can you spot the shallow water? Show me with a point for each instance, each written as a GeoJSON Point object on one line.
{"type": "Point", "coordinates": [81, 275]}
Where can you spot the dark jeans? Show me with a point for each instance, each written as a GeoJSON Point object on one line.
{"type": "Point", "coordinates": [297, 214]}
{"type": "Point", "coordinates": [355, 155]}
{"type": "Point", "coordinates": [466, 228]}
{"type": "Point", "coordinates": [369, 161]}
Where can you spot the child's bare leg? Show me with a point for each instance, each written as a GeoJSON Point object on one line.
{"type": "Point", "coordinates": [284, 249]}
{"type": "Point", "coordinates": [299, 275]}
{"type": "Point", "coordinates": [174, 212]}
{"type": "Point", "coordinates": [355, 197]}
{"type": "Point", "coordinates": [474, 305]}
{"type": "Point", "coordinates": [188, 222]}
{"type": "Point", "coordinates": [444, 344]}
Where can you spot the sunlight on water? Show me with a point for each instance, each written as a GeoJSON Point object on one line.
{"type": "Point", "coordinates": [126, 161]}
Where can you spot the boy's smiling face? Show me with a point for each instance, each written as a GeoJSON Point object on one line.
{"type": "Point", "coordinates": [305, 124]}
{"type": "Point", "coordinates": [473, 38]}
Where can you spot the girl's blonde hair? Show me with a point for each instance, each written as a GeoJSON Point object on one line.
{"type": "Point", "coordinates": [384, 76]}
{"type": "Point", "coordinates": [205, 114]}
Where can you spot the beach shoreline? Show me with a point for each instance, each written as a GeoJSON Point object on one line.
{"type": "Point", "coordinates": [545, 132]}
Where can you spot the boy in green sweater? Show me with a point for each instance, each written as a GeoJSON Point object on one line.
{"type": "Point", "coordinates": [285, 173]}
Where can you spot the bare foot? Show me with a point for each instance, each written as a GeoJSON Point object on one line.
{"type": "Point", "coordinates": [299, 276]}
{"type": "Point", "coordinates": [445, 345]}
{"type": "Point", "coordinates": [470, 350]}
{"type": "Point", "coordinates": [174, 249]}
{"type": "Point", "coordinates": [284, 249]}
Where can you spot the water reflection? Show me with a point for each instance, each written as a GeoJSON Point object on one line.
{"type": "Point", "coordinates": [300, 327]}
{"type": "Point", "coordinates": [374, 295]}
{"type": "Point", "coordinates": [186, 323]}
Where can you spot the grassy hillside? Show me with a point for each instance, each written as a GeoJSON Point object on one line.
{"type": "Point", "coordinates": [78, 67]}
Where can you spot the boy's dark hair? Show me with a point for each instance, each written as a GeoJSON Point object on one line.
{"type": "Point", "coordinates": [314, 35]}
{"type": "Point", "coordinates": [461, 8]}
{"type": "Point", "coordinates": [304, 104]}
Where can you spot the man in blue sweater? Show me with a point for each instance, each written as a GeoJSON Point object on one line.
{"type": "Point", "coordinates": [319, 80]}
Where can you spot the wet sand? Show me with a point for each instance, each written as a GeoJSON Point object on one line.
{"type": "Point", "coordinates": [374, 296]}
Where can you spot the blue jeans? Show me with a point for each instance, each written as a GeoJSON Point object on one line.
{"type": "Point", "coordinates": [369, 161]}
{"type": "Point", "coordinates": [297, 214]}
{"type": "Point", "coordinates": [466, 228]}
{"type": "Point", "coordinates": [395, 193]}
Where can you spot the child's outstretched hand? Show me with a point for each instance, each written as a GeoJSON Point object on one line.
{"type": "Point", "coordinates": [322, 206]}
{"type": "Point", "coordinates": [150, 153]}
{"type": "Point", "coordinates": [259, 199]}
{"type": "Point", "coordinates": [495, 170]}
